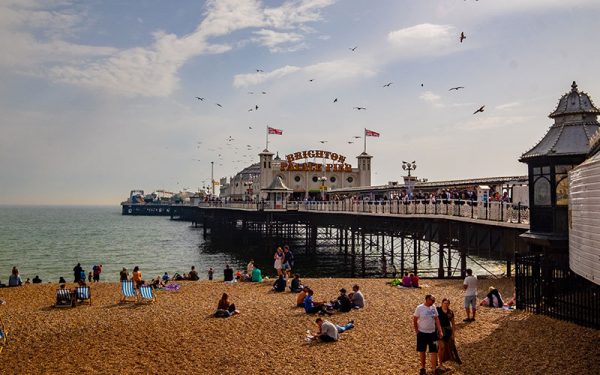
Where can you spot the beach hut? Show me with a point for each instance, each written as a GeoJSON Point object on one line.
{"type": "Point", "coordinates": [277, 192]}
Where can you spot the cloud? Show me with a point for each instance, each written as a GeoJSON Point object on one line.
{"type": "Point", "coordinates": [508, 105]}
{"type": "Point", "coordinates": [150, 70]}
{"type": "Point", "coordinates": [424, 40]}
{"type": "Point", "coordinates": [273, 39]}
{"type": "Point", "coordinates": [338, 69]}
{"type": "Point", "coordinates": [429, 97]}
{"type": "Point", "coordinates": [493, 122]}
{"type": "Point", "coordinates": [241, 80]}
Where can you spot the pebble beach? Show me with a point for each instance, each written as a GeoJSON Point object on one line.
{"type": "Point", "coordinates": [177, 333]}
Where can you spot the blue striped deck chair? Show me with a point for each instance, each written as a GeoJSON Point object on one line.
{"type": "Point", "coordinates": [83, 295]}
{"type": "Point", "coordinates": [63, 298]}
{"type": "Point", "coordinates": [128, 293]}
{"type": "Point", "coordinates": [146, 294]}
{"type": "Point", "coordinates": [3, 338]}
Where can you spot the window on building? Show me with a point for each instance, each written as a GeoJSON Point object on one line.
{"type": "Point", "coordinates": [297, 178]}
{"type": "Point", "coordinates": [541, 186]}
{"type": "Point", "coordinates": [332, 179]}
{"type": "Point", "coordinates": [315, 178]}
{"type": "Point", "coordinates": [350, 179]}
{"type": "Point", "coordinates": [562, 184]}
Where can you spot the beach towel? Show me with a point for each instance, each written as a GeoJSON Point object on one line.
{"type": "Point", "coordinates": [172, 287]}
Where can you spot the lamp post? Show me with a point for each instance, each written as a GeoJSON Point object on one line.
{"type": "Point", "coordinates": [212, 177]}
{"type": "Point", "coordinates": [323, 179]}
{"type": "Point", "coordinates": [409, 166]}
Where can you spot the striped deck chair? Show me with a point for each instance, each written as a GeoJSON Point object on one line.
{"type": "Point", "coordinates": [83, 295]}
{"type": "Point", "coordinates": [146, 294]}
{"type": "Point", "coordinates": [3, 338]}
{"type": "Point", "coordinates": [63, 298]}
{"type": "Point", "coordinates": [128, 292]}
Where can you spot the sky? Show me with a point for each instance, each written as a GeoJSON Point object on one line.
{"type": "Point", "coordinates": [99, 97]}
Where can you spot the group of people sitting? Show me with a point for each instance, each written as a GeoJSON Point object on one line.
{"type": "Point", "coordinates": [252, 273]}
{"type": "Point", "coordinates": [158, 281]}
{"type": "Point", "coordinates": [343, 303]}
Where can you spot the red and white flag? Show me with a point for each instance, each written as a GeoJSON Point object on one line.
{"type": "Point", "coordinates": [371, 133]}
{"type": "Point", "coordinates": [274, 131]}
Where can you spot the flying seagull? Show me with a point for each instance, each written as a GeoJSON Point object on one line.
{"type": "Point", "coordinates": [335, 100]}
{"type": "Point", "coordinates": [456, 88]}
{"type": "Point", "coordinates": [462, 37]}
{"type": "Point", "coordinates": [259, 71]}
{"type": "Point", "coordinates": [421, 85]}
{"type": "Point", "coordinates": [219, 105]}
{"type": "Point", "coordinates": [199, 98]}
{"type": "Point", "coordinates": [249, 127]}
{"type": "Point", "coordinates": [250, 92]}
{"type": "Point", "coordinates": [357, 137]}
{"type": "Point", "coordinates": [264, 92]}
{"type": "Point", "coordinates": [256, 107]}
{"type": "Point", "coordinates": [323, 141]}
{"type": "Point", "coordinates": [479, 110]}
{"type": "Point", "coordinates": [251, 109]}
{"type": "Point", "coordinates": [388, 84]}
{"type": "Point", "coordinates": [311, 80]}
{"type": "Point", "coordinates": [359, 108]}
{"type": "Point", "coordinates": [350, 142]}
{"type": "Point", "coordinates": [353, 49]}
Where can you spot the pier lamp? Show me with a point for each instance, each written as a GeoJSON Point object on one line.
{"type": "Point", "coordinates": [323, 187]}
{"type": "Point", "coordinates": [409, 166]}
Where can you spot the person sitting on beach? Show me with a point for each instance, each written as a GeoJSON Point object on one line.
{"type": "Point", "coordinates": [61, 280]}
{"type": "Point", "coordinates": [250, 267]}
{"type": "Point", "coordinates": [37, 280]}
{"type": "Point", "coordinates": [358, 300]}
{"type": "Point", "coordinates": [257, 275]}
{"type": "Point", "coordinates": [414, 280]}
{"type": "Point", "coordinates": [342, 303]}
{"type": "Point", "coordinates": [165, 277]}
{"type": "Point", "coordinates": [329, 332]}
{"type": "Point", "coordinates": [27, 281]}
{"type": "Point", "coordinates": [279, 285]}
{"type": "Point", "coordinates": [15, 278]}
{"type": "Point", "coordinates": [311, 307]}
{"type": "Point", "coordinates": [224, 308]}
{"type": "Point", "coordinates": [301, 296]}
{"type": "Point", "coordinates": [406, 281]}
{"type": "Point", "coordinates": [238, 276]}
{"type": "Point", "coordinates": [296, 284]}
{"type": "Point", "coordinates": [493, 298]}
{"type": "Point", "coordinates": [513, 299]}
{"type": "Point", "coordinates": [228, 274]}
{"type": "Point", "coordinates": [123, 275]}
{"type": "Point", "coordinates": [137, 277]}
{"type": "Point", "coordinates": [193, 274]}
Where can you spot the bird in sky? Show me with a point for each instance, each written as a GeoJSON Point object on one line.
{"type": "Point", "coordinates": [350, 142]}
{"type": "Point", "coordinates": [256, 107]}
{"type": "Point", "coordinates": [251, 109]}
{"type": "Point", "coordinates": [479, 110]}
{"type": "Point", "coordinates": [323, 141]}
{"type": "Point", "coordinates": [335, 100]}
{"type": "Point", "coordinates": [264, 93]}
{"type": "Point", "coordinates": [199, 98]}
{"type": "Point", "coordinates": [230, 139]}
{"type": "Point", "coordinates": [311, 80]}
{"type": "Point", "coordinates": [421, 85]}
{"type": "Point", "coordinates": [250, 127]}
{"type": "Point", "coordinates": [357, 136]}
{"type": "Point", "coordinates": [456, 88]}
{"type": "Point", "coordinates": [251, 92]}
{"type": "Point", "coordinates": [259, 71]}
{"type": "Point", "coordinates": [353, 49]}
{"type": "Point", "coordinates": [462, 37]}
{"type": "Point", "coordinates": [359, 108]}
{"type": "Point", "coordinates": [388, 84]}
{"type": "Point", "coordinates": [219, 105]}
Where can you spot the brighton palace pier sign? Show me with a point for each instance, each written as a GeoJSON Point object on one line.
{"type": "Point", "coordinates": [337, 162]}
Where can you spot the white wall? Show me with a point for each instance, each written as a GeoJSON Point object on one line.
{"type": "Point", "coordinates": [584, 229]}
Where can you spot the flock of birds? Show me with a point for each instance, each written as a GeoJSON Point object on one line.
{"type": "Point", "coordinates": [250, 155]}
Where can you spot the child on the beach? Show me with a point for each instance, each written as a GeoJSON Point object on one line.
{"type": "Point", "coordinates": [210, 273]}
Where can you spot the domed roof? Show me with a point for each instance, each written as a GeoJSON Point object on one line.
{"type": "Point", "coordinates": [574, 102]}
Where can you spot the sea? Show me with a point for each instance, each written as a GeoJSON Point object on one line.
{"type": "Point", "coordinates": [48, 241]}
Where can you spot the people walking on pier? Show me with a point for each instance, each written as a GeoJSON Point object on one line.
{"type": "Point", "coordinates": [77, 272]}
{"type": "Point", "coordinates": [426, 322]}
{"type": "Point", "coordinates": [278, 265]}
{"type": "Point", "coordinates": [470, 287]}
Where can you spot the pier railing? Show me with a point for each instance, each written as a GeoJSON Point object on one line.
{"type": "Point", "coordinates": [491, 211]}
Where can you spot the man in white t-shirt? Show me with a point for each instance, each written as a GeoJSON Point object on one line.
{"type": "Point", "coordinates": [470, 287]}
{"type": "Point", "coordinates": [428, 330]}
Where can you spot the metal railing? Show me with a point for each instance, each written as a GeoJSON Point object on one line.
{"type": "Point", "coordinates": [491, 211]}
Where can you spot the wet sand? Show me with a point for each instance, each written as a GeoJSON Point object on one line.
{"type": "Point", "coordinates": [179, 334]}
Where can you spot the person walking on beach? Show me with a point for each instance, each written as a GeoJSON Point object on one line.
{"type": "Point", "coordinates": [288, 261]}
{"type": "Point", "coordinates": [137, 277]}
{"type": "Point", "coordinates": [426, 321]}
{"type": "Point", "coordinates": [123, 275]}
{"type": "Point", "coordinates": [278, 265]}
{"type": "Point", "coordinates": [210, 273]}
{"type": "Point", "coordinates": [228, 274]}
{"type": "Point", "coordinates": [470, 287]}
{"type": "Point", "coordinates": [447, 347]}
{"type": "Point", "coordinates": [77, 272]}
{"type": "Point", "coordinates": [97, 270]}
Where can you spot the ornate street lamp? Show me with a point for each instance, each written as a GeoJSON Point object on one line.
{"type": "Point", "coordinates": [323, 187]}
{"type": "Point", "coordinates": [409, 166]}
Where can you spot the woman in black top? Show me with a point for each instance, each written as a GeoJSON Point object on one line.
{"type": "Point", "coordinates": [447, 349]}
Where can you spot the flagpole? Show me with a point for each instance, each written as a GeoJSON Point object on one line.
{"type": "Point", "coordinates": [267, 136]}
{"type": "Point", "coordinates": [365, 139]}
